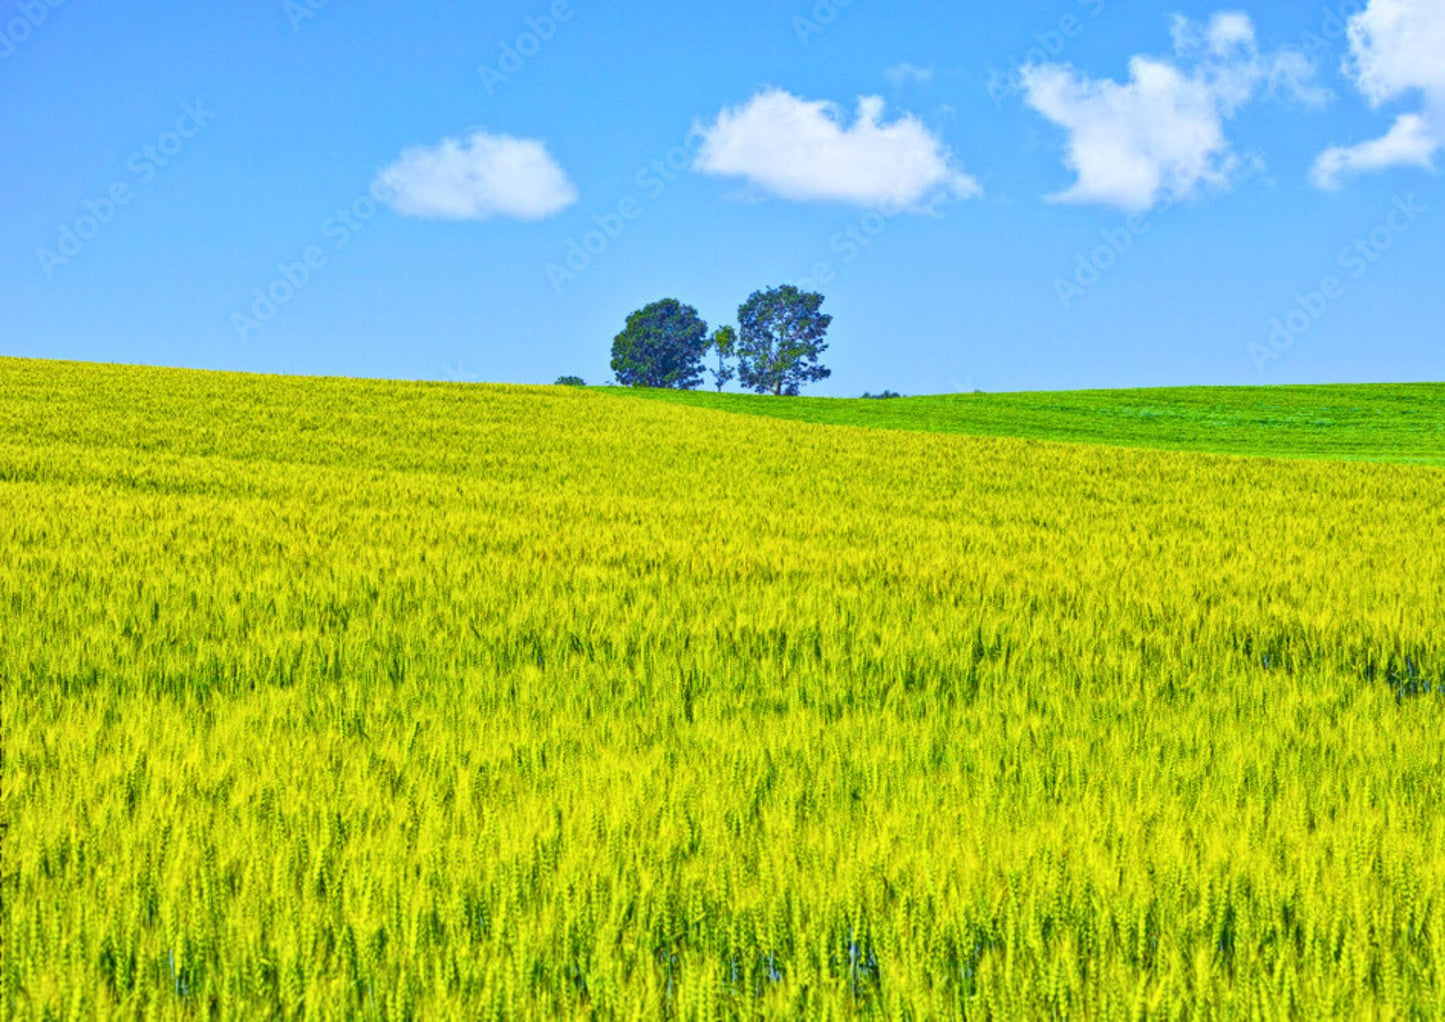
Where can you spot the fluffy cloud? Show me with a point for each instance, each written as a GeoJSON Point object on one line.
{"type": "Point", "coordinates": [484, 177]}
{"type": "Point", "coordinates": [1397, 47]}
{"type": "Point", "coordinates": [1160, 135]}
{"type": "Point", "coordinates": [805, 150]}
{"type": "Point", "coordinates": [1411, 142]}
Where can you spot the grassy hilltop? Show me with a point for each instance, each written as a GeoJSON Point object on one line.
{"type": "Point", "coordinates": [394, 700]}
{"type": "Point", "coordinates": [1352, 422]}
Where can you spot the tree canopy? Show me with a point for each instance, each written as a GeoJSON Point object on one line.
{"type": "Point", "coordinates": [662, 346]}
{"type": "Point", "coordinates": [724, 345]}
{"type": "Point", "coordinates": [782, 335]}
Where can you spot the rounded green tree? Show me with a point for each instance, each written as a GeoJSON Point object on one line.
{"type": "Point", "coordinates": [662, 346]}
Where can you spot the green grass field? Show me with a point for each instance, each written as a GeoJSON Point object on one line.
{"type": "Point", "coordinates": [1386, 422]}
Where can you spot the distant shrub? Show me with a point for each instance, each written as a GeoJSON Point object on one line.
{"type": "Point", "coordinates": [886, 395]}
{"type": "Point", "coordinates": [570, 381]}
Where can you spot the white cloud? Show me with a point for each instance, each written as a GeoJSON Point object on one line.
{"type": "Point", "coordinates": [1397, 48]}
{"type": "Point", "coordinates": [804, 150]}
{"type": "Point", "coordinates": [1411, 142]}
{"type": "Point", "coordinates": [1230, 30]}
{"type": "Point", "coordinates": [908, 74]}
{"type": "Point", "coordinates": [1160, 135]}
{"type": "Point", "coordinates": [484, 177]}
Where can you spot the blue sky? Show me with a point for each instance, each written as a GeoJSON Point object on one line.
{"type": "Point", "coordinates": [1040, 195]}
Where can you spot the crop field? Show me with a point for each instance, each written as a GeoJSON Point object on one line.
{"type": "Point", "coordinates": [349, 699]}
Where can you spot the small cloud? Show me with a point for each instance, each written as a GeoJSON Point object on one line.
{"type": "Point", "coordinates": [484, 177]}
{"type": "Point", "coordinates": [805, 150]}
{"type": "Point", "coordinates": [908, 74]}
{"type": "Point", "coordinates": [1410, 142]}
{"type": "Point", "coordinates": [1396, 49]}
{"type": "Point", "coordinates": [1160, 136]}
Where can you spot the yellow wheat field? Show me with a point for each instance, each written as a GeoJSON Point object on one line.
{"type": "Point", "coordinates": [341, 699]}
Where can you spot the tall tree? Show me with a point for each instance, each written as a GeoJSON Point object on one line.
{"type": "Point", "coordinates": [662, 346]}
{"type": "Point", "coordinates": [724, 346]}
{"type": "Point", "coordinates": [783, 334]}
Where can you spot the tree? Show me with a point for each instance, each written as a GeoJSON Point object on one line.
{"type": "Point", "coordinates": [570, 381]}
{"type": "Point", "coordinates": [782, 336]}
{"type": "Point", "coordinates": [724, 345]}
{"type": "Point", "coordinates": [662, 346]}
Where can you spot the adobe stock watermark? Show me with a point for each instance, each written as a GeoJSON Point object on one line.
{"type": "Point", "coordinates": [540, 30]}
{"type": "Point", "coordinates": [1353, 262]}
{"type": "Point", "coordinates": [1049, 44]}
{"type": "Point", "coordinates": [1115, 243]}
{"type": "Point", "coordinates": [293, 276]}
{"type": "Point", "coordinates": [652, 181]}
{"type": "Point", "coordinates": [29, 16]}
{"type": "Point", "coordinates": [849, 243]}
{"type": "Point", "coordinates": [460, 372]}
{"type": "Point", "coordinates": [1334, 29]}
{"type": "Point", "coordinates": [298, 11]}
{"type": "Point", "coordinates": [821, 17]}
{"type": "Point", "coordinates": [143, 166]}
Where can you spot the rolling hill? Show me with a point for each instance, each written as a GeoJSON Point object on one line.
{"type": "Point", "coordinates": [1365, 422]}
{"type": "Point", "coordinates": [369, 699]}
